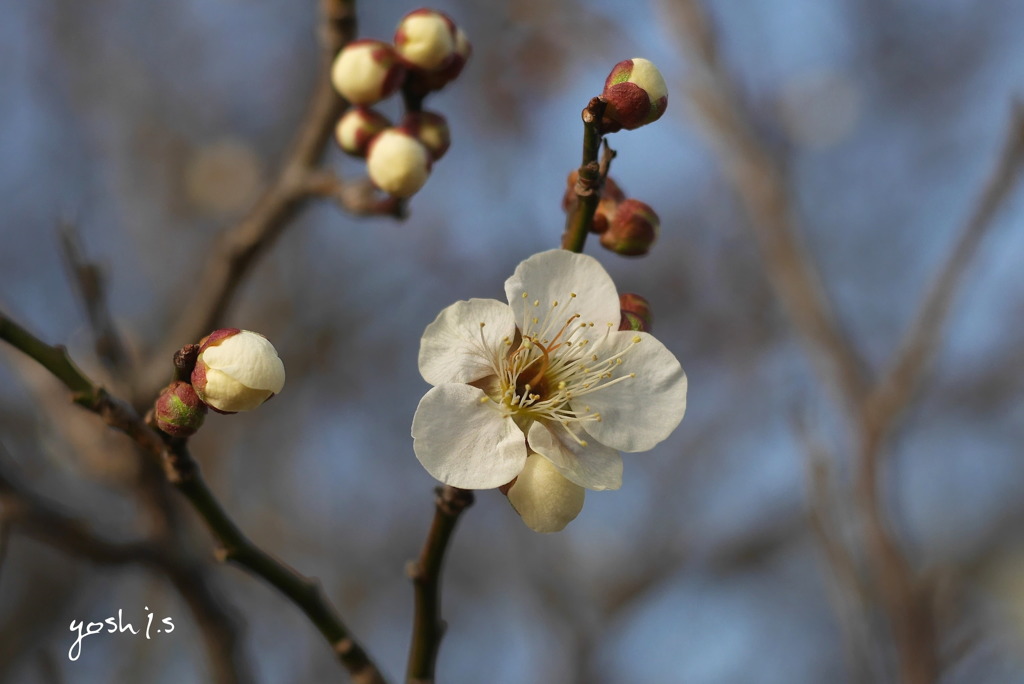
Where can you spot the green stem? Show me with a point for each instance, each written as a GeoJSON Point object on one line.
{"type": "Point", "coordinates": [428, 627]}
{"type": "Point", "coordinates": [588, 185]}
{"type": "Point", "coordinates": [236, 547]}
{"type": "Point", "coordinates": [53, 359]}
{"type": "Point", "coordinates": [184, 474]}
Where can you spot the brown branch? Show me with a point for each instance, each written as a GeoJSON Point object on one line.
{"type": "Point", "coordinates": [761, 183]}
{"type": "Point", "coordinates": [92, 289]}
{"type": "Point", "coordinates": [359, 198]}
{"type": "Point", "coordinates": [849, 595]}
{"type": "Point", "coordinates": [237, 548]}
{"type": "Point", "coordinates": [188, 575]}
{"type": "Point", "coordinates": [184, 474]}
{"type": "Point", "coordinates": [894, 392]}
{"type": "Point", "coordinates": [908, 599]}
{"type": "Point", "coordinates": [425, 572]}
{"type": "Point", "coordinates": [46, 522]}
{"type": "Point", "coordinates": [238, 248]}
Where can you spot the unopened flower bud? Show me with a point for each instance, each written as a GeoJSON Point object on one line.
{"type": "Point", "coordinates": [632, 230]}
{"type": "Point", "coordinates": [636, 312]}
{"type": "Point", "coordinates": [398, 163]}
{"type": "Point", "coordinates": [367, 71]}
{"type": "Point", "coordinates": [635, 94]}
{"type": "Point", "coordinates": [178, 411]}
{"type": "Point", "coordinates": [425, 39]}
{"type": "Point", "coordinates": [422, 81]}
{"type": "Point", "coordinates": [543, 497]}
{"type": "Point", "coordinates": [357, 127]}
{"type": "Point", "coordinates": [236, 370]}
{"type": "Point", "coordinates": [430, 129]}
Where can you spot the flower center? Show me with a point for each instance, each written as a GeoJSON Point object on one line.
{"type": "Point", "coordinates": [549, 369]}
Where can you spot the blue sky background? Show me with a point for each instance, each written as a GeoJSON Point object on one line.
{"type": "Point", "coordinates": [890, 114]}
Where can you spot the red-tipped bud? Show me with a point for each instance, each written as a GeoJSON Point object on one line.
{"type": "Point", "coordinates": [398, 163]}
{"type": "Point", "coordinates": [367, 71]}
{"type": "Point", "coordinates": [421, 81]}
{"type": "Point", "coordinates": [430, 129]}
{"type": "Point", "coordinates": [632, 230]}
{"type": "Point", "coordinates": [236, 370]}
{"type": "Point", "coordinates": [178, 410]}
{"type": "Point", "coordinates": [635, 94]}
{"type": "Point", "coordinates": [636, 313]}
{"type": "Point", "coordinates": [425, 39]}
{"type": "Point", "coordinates": [357, 128]}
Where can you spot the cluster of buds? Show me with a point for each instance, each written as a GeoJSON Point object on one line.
{"type": "Point", "coordinates": [428, 52]}
{"type": "Point", "coordinates": [230, 370]}
{"type": "Point", "coordinates": [625, 225]}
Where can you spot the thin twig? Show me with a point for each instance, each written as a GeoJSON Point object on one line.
{"type": "Point", "coordinates": [237, 548]}
{"type": "Point", "coordinates": [47, 522]}
{"type": "Point", "coordinates": [760, 181]}
{"type": "Point", "coordinates": [189, 576]}
{"type": "Point", "coordinates": [849, 594]}
{"type": "Point", "coordinates": [425, 572]}
{"type": "Point", "coordinates": [185, 475]}
{"type": "Point", "coordinates": [873, 409]}
{"type": "Point", "coordinates": [238, 248]}
{"type": "Point", "coordinates": [894, 391]}
{"type": "Point", "coordinates": [92, 289]}
{"type": "Point", "coordinates": [43, 520]}
{"type": "Point", "coordinates": [359, 198]}
{"type": "Point", "coordinates": [908, 599]}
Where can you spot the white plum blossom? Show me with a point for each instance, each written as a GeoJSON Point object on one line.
{"type": "Point", "coordinates": [549, 373]}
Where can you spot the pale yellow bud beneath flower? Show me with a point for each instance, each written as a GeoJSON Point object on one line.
{"type": "Point", "coordinates": [543, 498]}
{"type": "Point", "coordinates": [397, 163]}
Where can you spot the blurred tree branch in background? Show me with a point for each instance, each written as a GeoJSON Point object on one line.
{"type": "Point", "coordinates": [706, 573]}
{"type": "Point", "coordinates": [873, 406]}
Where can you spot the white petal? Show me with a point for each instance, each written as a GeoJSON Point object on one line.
{"type": "Point", "coordinates": [543, 498]}
{"type": "Point", "coordinates": [250, 359]}
{"type": "Point", "coordinates": [465, 442]}
{"type": "Point", "coordinates": [639, 412]}
{"type": "Point", "coordinates": [594, 466]}
{"type": "Point", "coordinates": [557, 275]}
{"type": "Point", "coordinates": [227, 394]}
{"type": "Point", "coordinates": [455, 348]}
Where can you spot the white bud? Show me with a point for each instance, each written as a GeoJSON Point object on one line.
{"type": "Point", "coordinates": [426, 39]}
{"type": "Point", "coordinates": [367, 71]}
{"type": "Point", "coordinates": [398, 163]}
{"type": "Point", "coordinates": [237, 370]}
{"type": "Point", "coordinates": [543, 498]}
